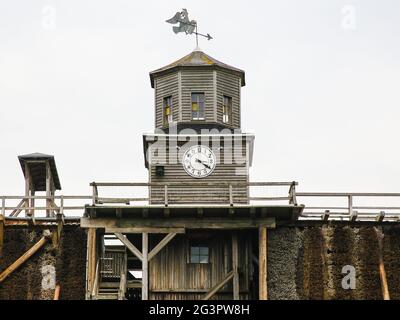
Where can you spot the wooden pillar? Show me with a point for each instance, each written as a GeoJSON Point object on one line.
{"type": "Point", "coordinates": [1, 234]}
{"type": "Point", "coordinates": [235, 266]}
{"type": "Point", "coordinates": [91, 260]}
{"type": "Point", "coordinates": [27, 188]}
{"type": "Point", "coordinates": [48, 189]}
{"type": "Point", "coordinates": [262, 263]}
{"type": "Point", "coordinates": [382, 271]}
{"type": "Point", "coordinates": [145, 266]}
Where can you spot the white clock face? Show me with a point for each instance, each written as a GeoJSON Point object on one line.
{"type": "Point", "coordinates": [199, 161]}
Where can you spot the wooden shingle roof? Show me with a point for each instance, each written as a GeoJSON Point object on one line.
{"type": "Point", "coordinates": [196, 58]}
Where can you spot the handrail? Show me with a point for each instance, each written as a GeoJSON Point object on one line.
{"type": "Point", "coordinates": [96, 280]}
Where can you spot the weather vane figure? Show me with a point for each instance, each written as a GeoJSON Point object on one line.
{"type": "Point", "coordinates": [186, 25]}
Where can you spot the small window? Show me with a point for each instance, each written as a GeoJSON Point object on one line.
{"type": "Point", "coordinates": [199, 254]}
{"type": "Point", "coordinates": [198, 106]}
{"type": "Point", "coordinates": [227, 110]}
{"type": "Point", "coordinates": [167, 110]}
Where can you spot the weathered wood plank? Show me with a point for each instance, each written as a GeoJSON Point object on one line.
{"type": "Point", "coordinates": [262, 263]}
{"type": "Point", "coordinates": [144, 229]}
{"type": "Point", "coordinates": [161, 245]}
{"type": "Point", "coordinates": [218, 286]}
{"type": "Point", "coordinates": [235, 263]}
{"type": "Point", "coordinates": [145, 266]}
{"type": "Point", "coordinates": [23, 258]}
{"type": "Point", "coordinates": [205, 223]}
{"type": "Point", "coordinates": [91, 265]}
{"type": "Point", "coordinates": [129, 245]}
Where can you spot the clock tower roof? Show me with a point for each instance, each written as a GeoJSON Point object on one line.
{"type": "Point", "coordinates": [196, 58]}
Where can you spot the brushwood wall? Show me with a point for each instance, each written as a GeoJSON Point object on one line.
{"type": "Point", "coordinates": [37, 277]}
{"type": "Point", "coordinates": [307, 263]}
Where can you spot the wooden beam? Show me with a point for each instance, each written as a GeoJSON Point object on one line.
{"type": "Point", "coordinates": [235, 263]}
{"type": "Point", "coordinates": [204, 223]}
{"type": "Point", "coordinates": [129, 245]}
{"type": "Point", "coordinates": [1, 234]}
{"type": "Point", "coordinates": [218, 286]}
{"type": "Point", "coordinates": [23, 258]}
{"type": "Point", "coordinates": [145, 266]}
{"type": "Point", "coordinates": [161, 245]}
{"type": "Point", "coordinates": [382, 271]}
{"type": "Point", "coordinates": [91, 264]}
{"type": "Point", "coordinates": [262, 263]}
{"type": "Point", "coordinates": [145, 229]}
{"type": "Point", "coordinates": [57, 292]}
{"type": "Point", "coordinates": [48, 189]}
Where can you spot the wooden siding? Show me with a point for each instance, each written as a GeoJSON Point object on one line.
{"type": "Point", "coordinates": [197, 80]}
{"type": "Point", "coordinates": [223, 172]}
{"type": "Point", "coordinates": [166, 85]}
{"type": "Point", "coordinates": [228, 84]}
{"type": "Point", "coordinates": [172, 277]}
{"type": "Point", "coordinates": [180, 85]}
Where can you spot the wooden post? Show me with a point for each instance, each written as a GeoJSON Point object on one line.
{"type": "Point", "coordinates": [27, 188]}
{"type": "Point", "coordinates": [382, 271]}
{"type": "Point", "coordinates": [262, 263]}
{"type": "Point", "coordinates": [1, 234]}
{"type": "Point", "coordinates": [91, 256]}
{"type": "Point", "coordinates": [235, 266]}
{"type": "Point", "coordinates": [57, 292]}
{"type": "Point", "coordinates": [145, 266]}
{"type": "Point", "coordinates": [23, 258]}
{"type": "Point", "coordinates": [48, 189]}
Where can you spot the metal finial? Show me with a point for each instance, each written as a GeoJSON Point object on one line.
{"type": "Point", "coordinates": [186, 25]}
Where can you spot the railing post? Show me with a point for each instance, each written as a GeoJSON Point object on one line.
{"type": "Point", "coordinates": [62, 205]}
{"type": "Point", "coordinates": [95, 193]}
{"type": "Point", "coordinates": [230, 195]}
{"type": "Point", "coordinates": [166, 195]}
{"type": "Point", "coordinates": [292, 194]}
{"type": "Point", "coordinates": [350, 203]}
{"type": "Point", "coordinates": [3, 206]}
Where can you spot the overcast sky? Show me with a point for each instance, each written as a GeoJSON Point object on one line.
{"type": "Point", "coordinates": [322, 90]}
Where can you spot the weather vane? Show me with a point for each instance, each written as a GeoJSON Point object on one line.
{"type": "Point", "coordinates": [186, 25]}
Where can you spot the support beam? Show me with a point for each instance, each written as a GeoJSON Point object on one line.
{"type": "Point", "coordinates": [262, 263]}
{"type": "Point", "coordinates": [1, 234]}
{"type": "Point", "coordinates": [382, 271]}
{"type": "Point", "coordinates": [23, 258]}
{"type": "Point", "coordinates": [57, 292]}
{"type": "Point", "coordinates": [161, 245]}
{"type": "Point", "coordinates": [218, 286]}
{"type": "Point", "coordinates": [144, 229]}
{"type": "Point", "coordinates": [91, 260]}
{"type": "Point", "coordinates": [145, 266]}
{"type": "Point", "coordinates": [131, 247]}
{"type": "Point", "coordinates": [204, 223]}
{"type": "Point", "coordinates": [235, 259]}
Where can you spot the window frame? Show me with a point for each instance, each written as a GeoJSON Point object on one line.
{"type": "Point", "coordinates": [167, 119]}
{"type": "Point", "coordinates": [199, 256]}
{"type": "Point", "coordinates": [228, 108]}
{"type": "Point", "coordinates": [198, 118]}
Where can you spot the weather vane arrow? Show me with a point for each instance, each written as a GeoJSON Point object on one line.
{"type": "Point", "coordinates": [186, 25]}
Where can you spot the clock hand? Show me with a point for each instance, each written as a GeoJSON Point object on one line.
{"type": "Point", "coordinates": [206, 165]}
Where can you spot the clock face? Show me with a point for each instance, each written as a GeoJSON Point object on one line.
{"type": "Point", "coordinates": [199, 161]}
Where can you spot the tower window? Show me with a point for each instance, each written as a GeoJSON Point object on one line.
{"type": "Point", "coordinates": [198, 106]}
{"type": "Point", "coordinates": [199, 253]}
{"type": "Point", "coordinates": [167, 110]}
{"type": "Point", "coordinates": [227, 110]}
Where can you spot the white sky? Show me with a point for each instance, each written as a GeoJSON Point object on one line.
{"type": "Point", "coordinates": [322, 99]}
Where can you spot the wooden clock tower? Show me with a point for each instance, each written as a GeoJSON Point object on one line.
{"type": "Point", "coordinates": [198, 140]}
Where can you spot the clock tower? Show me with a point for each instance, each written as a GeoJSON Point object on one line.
{"type": "Point", "coordinates": [197, 145]}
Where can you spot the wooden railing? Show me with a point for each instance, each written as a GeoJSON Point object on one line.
{"type": "Point", "coordinates": [347, 207]}
{"type": "Point", "coordinates": [55, 205]}
{"type": "Point", "coordinates": [229, 190]}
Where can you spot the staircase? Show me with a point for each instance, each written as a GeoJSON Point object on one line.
{"type": "Point", "coordinates": [111, 274]}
